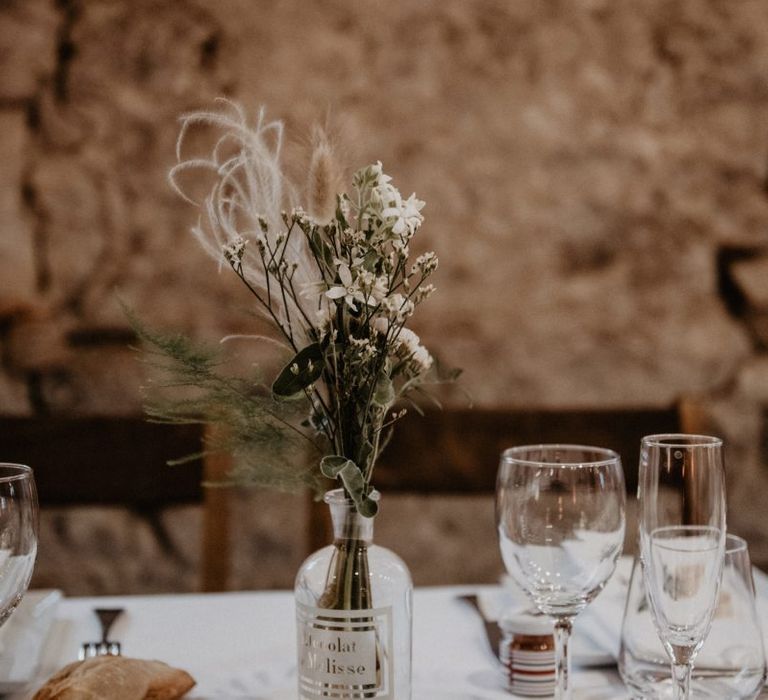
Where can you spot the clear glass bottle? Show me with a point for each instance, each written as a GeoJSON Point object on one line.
{"type": "Point", "coordinates": [354, 612]}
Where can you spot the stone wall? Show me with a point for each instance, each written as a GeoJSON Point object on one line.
{"type": "Point", "coordinates": [595, 174]}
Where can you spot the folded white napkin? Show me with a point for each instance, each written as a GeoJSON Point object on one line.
{"type": "Point", "coordinates": [597, 630]}
{"type": "Point", "coordinates": [601, 620]}
{"type": "Point", "coordinates": [25, 633]}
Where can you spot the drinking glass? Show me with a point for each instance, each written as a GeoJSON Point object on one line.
{"type": "Point", "coordinates": [18, 534]}
{"type": "Point", "coordinates": [731, 663]}
{"type": "Point", "coordinates": [560, 517]}
{"type": "Point", "coordinates": [682, 542]}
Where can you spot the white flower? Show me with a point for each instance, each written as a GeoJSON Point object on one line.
{"type": "Point", "coordinates": [233, 251]}
{"type": "Point", "coordinates": [365, 348]}
{"type": "Point", "coordinates": [398, 306]}
{"type": "Point", "coordinates": [348, 290]}
{"type": "Point", "coordinates": [403, 216]}
{"type": "Point", "coordinates": [423, 293]}
{"type": "Point", "coordinates": [300, 216]}
{"type": "Point", "coordinates": [425, 264]}
{"type": "Point", "coordinates": [375, 288]}
{"type": "Point", "coordinates": [409, 339]}
{"type": "Point", "coordinates": [421, 358]}
{"type": "Point", "coordinates": [409, 345]}
{"type": "Point", "coordinates": [381, 325]}
{"type": "Point", "coordinates": [352, 238]}
{"type": "Point", "coordinates": [370, 176]}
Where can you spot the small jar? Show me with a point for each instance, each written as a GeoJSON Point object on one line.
{"type": "Point", "coordinates": [527, 653]}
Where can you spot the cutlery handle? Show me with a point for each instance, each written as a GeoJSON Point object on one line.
{"type": "Point", "coordinates": [107, 617]}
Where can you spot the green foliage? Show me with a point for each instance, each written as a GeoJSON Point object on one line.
{"type": "Point", "coordinates": [188, 385]}
{"type": "Point", "coordinates": [300, 373]}
{"type": "Point", "coordinates": [337, 467]}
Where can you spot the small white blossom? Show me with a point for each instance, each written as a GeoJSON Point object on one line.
{"type": "Point", "coordinates": [300, 216]}
{"type": "Point", "coordinates": [370, 176]}
{"type": "Point", "coordinates": [403, 216]}
{"type": "Point", "coordinates": [374, 288]}
{"type": "Point", "coordinates": [352, 238]}
{"type": "Point", "coordinates": [234, 250]}
{"type": "Point", "coordinates": [365, 349]}
{"type": "Point", "coordinates": [421, 358]}
{"type": "Point", "coordinates": [348, 290]}
{"type": "Point", "coordinates": [401, 248]}
{"type": "Point", "coordinates": [408, 339]}
{"type": "Point", "coordinates": [409, 345]}
{"type": "Point", "coordinates": [425, 264]}
{"type": "Point", "coordinates": [398, 306]}
{"type": "Point", "coordinates": [423, 293]}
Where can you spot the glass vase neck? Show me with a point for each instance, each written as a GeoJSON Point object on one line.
{"type": "Point", "coordinates": [348, 524]}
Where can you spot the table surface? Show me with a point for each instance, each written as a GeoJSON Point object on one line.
{"type": "Point", "coordinates": [242, 645]}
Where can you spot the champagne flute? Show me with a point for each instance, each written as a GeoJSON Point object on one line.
{"type": "Point", "coordinates": [18, 534]}
{"type": "Point", "coordinates": [682, 542]}
{"type": "Point", "coordinates": [560, 518]}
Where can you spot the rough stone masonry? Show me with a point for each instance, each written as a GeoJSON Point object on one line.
{"type": "Point", "coordinates": [595, 173]}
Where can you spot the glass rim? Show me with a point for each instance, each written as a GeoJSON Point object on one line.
{"type": "Point", "coordinates": [337, 496]}
{"type": "Point", "coordinates": [681, 440]}
{"type": "Point", "coordinates": [734, 543]}
{"type": "Point", "coordinates": [508, 456]}
{"type": "Point", "coordinates": [22, 472]}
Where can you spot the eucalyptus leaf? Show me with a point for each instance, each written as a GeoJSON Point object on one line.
{"type": "Point", "coordinates": [304, 369]}
{"type": "Point", "coordinates": [336, 466]}
{"type": "Point", "coordinates": [368, 507]}
{"type": "Point", "coordinates": [331, 465]}
{"type": "Point", "coordinates": [354, 483]}
{"type": "Point", "coordinates": [384, 396]}
{"type": "Point", "coordinates": [365, 451]}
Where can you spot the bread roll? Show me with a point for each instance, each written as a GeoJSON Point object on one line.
{"type": "Point", "coordinates": [116, 678]}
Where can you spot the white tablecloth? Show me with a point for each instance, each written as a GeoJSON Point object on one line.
{"type": "Point", "coordinates": [242, 645]}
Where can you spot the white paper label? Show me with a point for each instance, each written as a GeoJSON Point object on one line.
{"type": "Point", "coordinates": [344, 653]}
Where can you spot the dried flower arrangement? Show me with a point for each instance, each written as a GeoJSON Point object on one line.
{"type": "Point", "coordinates": [333, 279]}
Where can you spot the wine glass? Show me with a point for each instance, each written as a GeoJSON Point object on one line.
{"type": "Point", "coordinates": [682, 542]}
{"type": "Point", "coordinates": [18, 534]}
{"type": "Point", "coordinates": [560, 517]}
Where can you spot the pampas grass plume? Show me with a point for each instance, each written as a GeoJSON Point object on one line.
{"type": "Point", "coordinates": [324, 177]}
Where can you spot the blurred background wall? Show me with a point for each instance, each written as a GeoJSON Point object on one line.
{"type": "Point", "coordinates": [595, 177]}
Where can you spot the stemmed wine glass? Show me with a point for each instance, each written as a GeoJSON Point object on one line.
{"type": "Point", "coordinates": [682, 541]}
{"type": "Point", "coordinates": [18, 534]}
{"type": "Point", "coordinates": [560, 517]}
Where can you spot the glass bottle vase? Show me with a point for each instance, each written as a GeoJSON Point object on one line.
{"type": "Point", "coordinates": [354, 603]}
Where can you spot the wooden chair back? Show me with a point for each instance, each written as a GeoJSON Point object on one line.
{"type": "Point", "coordinates": [457, 451]}
{"type": "Point", "coordinates": [81, 461]}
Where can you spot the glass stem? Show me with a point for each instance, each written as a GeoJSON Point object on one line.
{"type": "Point", "coordinates": [563, 627]}
{"type": "Point", "coordinates": [681, 675]}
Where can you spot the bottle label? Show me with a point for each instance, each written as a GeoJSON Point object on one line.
{"type": "Point", "coordinates": [345, 653]}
